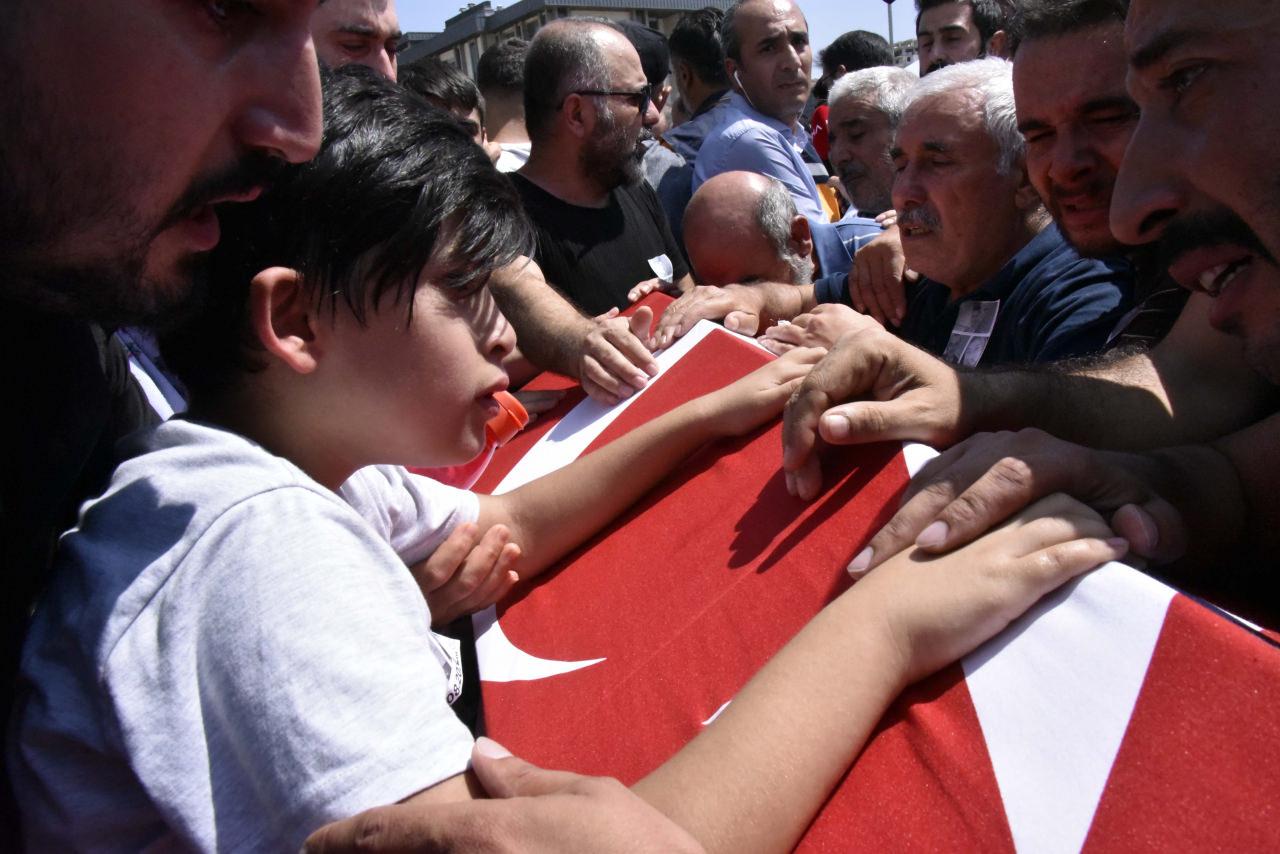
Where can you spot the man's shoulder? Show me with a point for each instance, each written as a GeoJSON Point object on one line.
{"type": "Point", "coordinates": [857, 228]}
{"type": "Point", "coordinates": [1061, 271]}
{"type": "Point", "coordinates": [736, 130]}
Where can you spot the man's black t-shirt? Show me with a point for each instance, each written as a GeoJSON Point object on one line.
{"type": "Point", "coordinates": [595, 255]}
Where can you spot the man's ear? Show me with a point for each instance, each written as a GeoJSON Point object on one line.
{"type": "Point", "coordinates": [801, 240]}
{"type": "Point", "coordinates": [998, 44]}
{"type": "Point", "coordinates": [579, 115]}
{"type": "Point", "coordinates": [684, 75]}
{"type": "Point", "coordinates": [731, 70]}
{"type": "Point", "coordinates": [1026, 197]}
{"type": "Point", "coordinates": [283, 318]}
{"type": "Point", "coordinates": [660, 97]}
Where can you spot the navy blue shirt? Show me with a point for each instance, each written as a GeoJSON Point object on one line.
{"type": "Point", "coordinates": [1054, 304]}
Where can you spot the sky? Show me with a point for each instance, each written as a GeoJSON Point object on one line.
{"type": "Point", "coordinates": [827, 18]}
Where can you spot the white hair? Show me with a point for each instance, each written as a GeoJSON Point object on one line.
{"type": "Point", "coordinates": [883, 87]}
{"type": "Point", "coordinates": [992, 80]}
{"type": "Point", "coordinates": [774, 213]}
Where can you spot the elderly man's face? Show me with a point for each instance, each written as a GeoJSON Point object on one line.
{"type": "Point", "coordinates": [859, 135]}
{"type": "Point", "coordinates": [947, 34]}
{"type": "Point", "coordinates": [611, 153]}
{"type": "Point", "coordinates": [958, 215]}
{"type": "Point", "coordinates": [1200, 175]}
{"type": "Point", "coordinates": [1077, 119]}
{"type": "Point", "coordinates": [358, 32]}
{"type": "Point", "coordinates": [776, 59]}
{"type": "Point", "coordinates": [116, 157]}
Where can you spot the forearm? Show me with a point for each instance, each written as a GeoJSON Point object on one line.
{"type": "Point", "coordinates": [549, 330]}
{"type": "Point", "coordinates": [1192, 387]}
{"type": "Point", "coordinates": [782, 301]}
{"type": "Point", "coordinates": [753, 779]}
{"type": "Point", "coordinates": [1110, 402]}
{"type": "Point", "coordinates": [556, 513]}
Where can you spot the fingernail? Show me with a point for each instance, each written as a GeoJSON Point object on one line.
{"type": "Point", "coordinates": [490, 748]}
{"type": "Point", "coordinates": [933, 536]}
{"type": "Point", "coordinates": [836, 426]}
{"type": "Point", "coordinates": [1118, 543]}
{"type": "Point", "coordinates": [638, 381]}
{"type": "Point", "coordinates": [860, 563]}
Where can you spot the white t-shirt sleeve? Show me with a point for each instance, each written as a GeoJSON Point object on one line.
{"type": "Point", "coordinates": [413, 513]}
{"type": "Point", "coordinates": [284, 677]}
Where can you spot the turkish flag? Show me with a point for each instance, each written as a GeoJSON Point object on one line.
{"type": "Point", "coordinates": [1118, 714]}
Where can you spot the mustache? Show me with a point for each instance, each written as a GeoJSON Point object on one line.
{"type": "Point", "coordinates": [253, 169]}
{"type": "Point", "coordinates": [919, 216]}
{"type": "Point", "coordinates": [1200, 230]}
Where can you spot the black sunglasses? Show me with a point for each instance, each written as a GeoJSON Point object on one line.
{"type": "Point", "coordinates": [640, 100]}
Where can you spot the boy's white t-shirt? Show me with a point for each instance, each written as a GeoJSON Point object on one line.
{"type": "Point", "coordinates": [230, 655]}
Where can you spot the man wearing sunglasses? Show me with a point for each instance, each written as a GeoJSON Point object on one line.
{"type": "Point", "coordinates": [599, 226]}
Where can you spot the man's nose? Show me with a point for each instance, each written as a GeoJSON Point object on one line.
{"type": "Point", "coordinates": [1149, 189]}
{"type": "Point", "coordinates": [280, 110]}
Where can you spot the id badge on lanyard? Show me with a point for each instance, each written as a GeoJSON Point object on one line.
{"type": "Point", "coordinates": [972, 332]}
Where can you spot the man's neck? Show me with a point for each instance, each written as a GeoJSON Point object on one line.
{"type": "Point", "coordinates": [704, 96]}
{"type": "Point", "coordinates": [792, 122]}
{"type": "Point", "coordinates": [506, 122]}
{"type": "Point", "coordinates": [981, 275]}
{"type": "Point", "coordinates": [554, 167]}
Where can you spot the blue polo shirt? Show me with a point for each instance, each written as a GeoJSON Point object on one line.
{"type": "Point", "coordinates": [1051, 304]}
{"type": "Point", "coordinates": [834, 245]}
{"type": "Point", "coordinates": [749, 141]}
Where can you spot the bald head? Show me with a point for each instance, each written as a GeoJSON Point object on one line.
{"type": "Point", "coordinates": [568, 56]}
{"type": "Point", "coordinates": [743, 227]}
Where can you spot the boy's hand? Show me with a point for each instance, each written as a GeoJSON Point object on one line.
{"type": "Point", "coordinates": [467, 572]}
{"type": "Point", "coordinates": [937, 609]}
{"type": "Point", "coordinates": [744, 405]}
{"type": "Point", "coordinates": [822, 327]}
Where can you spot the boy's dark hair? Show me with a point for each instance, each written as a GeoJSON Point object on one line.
{"type": "Point", "coordinates": [441, 84]}
{"type": "Point", "coordinates": [855, 50]}
{"type": "Point", "coordinates": [696, 41]}
{"type": "Point", "coordinates": [1040, 19]}
{"type": "Point", "coordinates": [397, 186]}
{"type": "Point", "coordinates": [501, 67]}
{"type": "Point", "coordinates": [989, 16]}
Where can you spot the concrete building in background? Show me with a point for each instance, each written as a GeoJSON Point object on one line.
{"type": "Point", "coordinates": [479, 25]}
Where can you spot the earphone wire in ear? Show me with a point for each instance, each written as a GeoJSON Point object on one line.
{"type": "Point", "coordinates": [743, 89]}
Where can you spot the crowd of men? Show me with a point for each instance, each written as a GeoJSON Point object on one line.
{"type": "Point", "coordinates": [1052, 256]}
